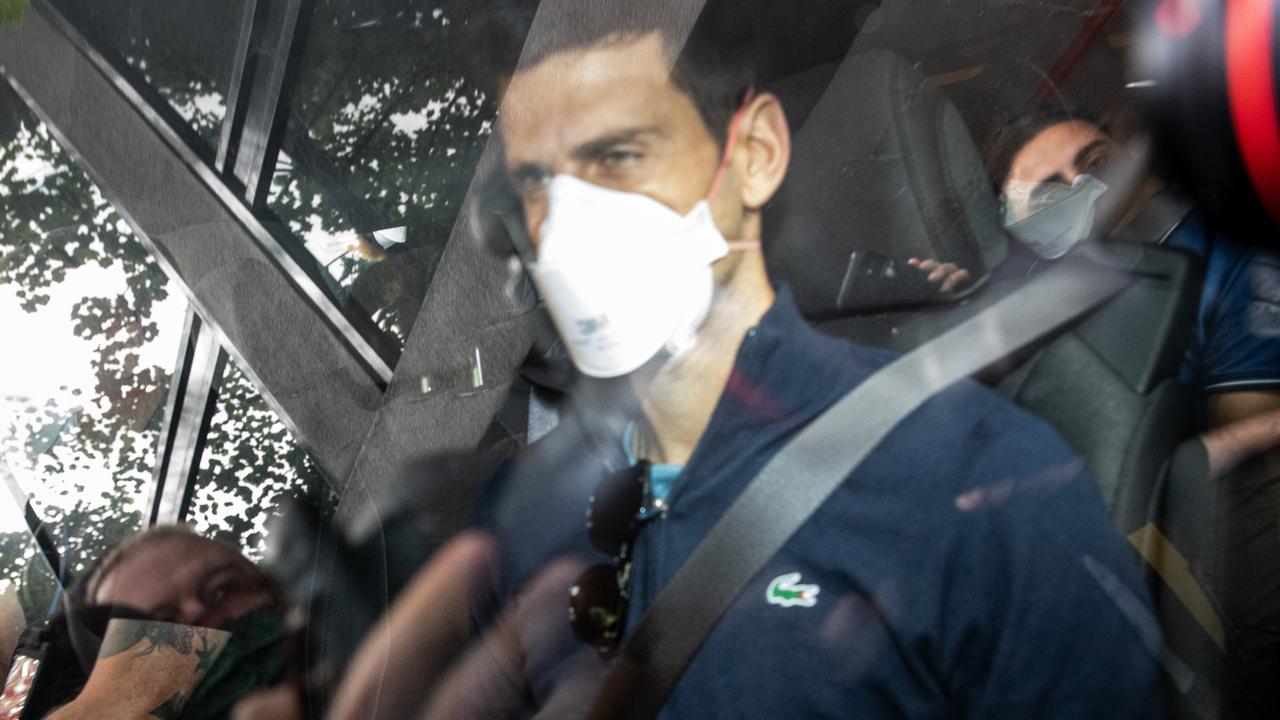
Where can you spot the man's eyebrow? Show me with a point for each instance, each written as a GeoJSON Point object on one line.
{"type": "Point", "coordinates": [209, 575]}
{"type": "Point", "coordinates": [598, 146]}
{"type": "Point", "coordinates": [1079, 159]}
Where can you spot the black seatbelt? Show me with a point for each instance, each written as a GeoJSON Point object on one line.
{"type": "Point", "coordinates": [801, 476]}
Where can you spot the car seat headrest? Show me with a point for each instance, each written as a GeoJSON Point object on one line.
{"type": "Point", "coordinates": [881, 163]}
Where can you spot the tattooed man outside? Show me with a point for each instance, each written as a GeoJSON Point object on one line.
{"type": "Point", "coordinates": [202, 627]}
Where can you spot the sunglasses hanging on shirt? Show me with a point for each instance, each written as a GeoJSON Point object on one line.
{"type": "Point", "coordinates": [599, 599]}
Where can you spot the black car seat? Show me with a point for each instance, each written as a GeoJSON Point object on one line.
{"type": "Point", "coordinates": [883, 163]}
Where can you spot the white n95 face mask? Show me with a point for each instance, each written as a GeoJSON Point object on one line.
{"type": "Point", "coordinates": [624, 276]}
{"type": "Point", "coordinates": [1061, 217]}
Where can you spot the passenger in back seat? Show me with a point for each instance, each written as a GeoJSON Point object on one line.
{"type": "Point", "coordinates": [966, 569]}
{"type": "Point", "coordinates": [1046, 167]}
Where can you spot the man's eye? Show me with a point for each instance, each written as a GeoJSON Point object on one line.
{"type": "Point", "coordinates": [1097, 163]}
{"type": "Point", "coordinates": [223, 588]}
{"type": "Point", "coordinates": [528, 186]}
{"type": "Point", "coordinates": [219, 593]}
{"type": "Point", "coordinates": [618, 159]}
{"type": "Point", "coordinates": [530, 181]}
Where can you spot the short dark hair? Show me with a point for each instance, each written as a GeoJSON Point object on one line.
{"type": "Point", "coordinates": [715, 66]}
{"type": "Point", "coordinates": [1009, 139]}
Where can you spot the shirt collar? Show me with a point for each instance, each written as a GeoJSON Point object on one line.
{"type": "Point", "coordinates": [784, 374]}
{"type": "Point", "coordinates": [662, 476]}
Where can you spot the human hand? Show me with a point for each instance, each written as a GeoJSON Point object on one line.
{"type": "Point", "coordinates": [491, 679]}
{"type": "Point", "coordinates": [1231, 444]}
{"type": "Point", "coordinates": [949, 274]}
{"type": "Point", "coordinates": [422, 654]}
{"type": "Point", "coordinates": [418, 637]}
{"type": "Point", "coordinates": [282, 702]}
{"type": "Point", "coordinates": [145, 669]}
{"type": "Point", "coordinates": [422, 658]}
{"type": "Point", "coordinates": [413, 643]}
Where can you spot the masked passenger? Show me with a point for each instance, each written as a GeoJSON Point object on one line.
{"type": "Point", "coordinates": [1049, 168]}
{"type": "Point", "coordinates": [193, 626]}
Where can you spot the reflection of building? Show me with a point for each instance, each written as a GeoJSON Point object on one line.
{"type": "Point", "coordinates": [258, 152]}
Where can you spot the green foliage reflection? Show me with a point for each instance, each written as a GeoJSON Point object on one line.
{"type": "Point", "coordinates": [392, 110]}
{"type": "Point", "coordinates": [84, 452]}
{"type": "Point", "coordinates": [11, 11]}
{"type": "Point", "coordinates": [249, 464]}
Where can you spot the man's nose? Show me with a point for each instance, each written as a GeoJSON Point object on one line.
{"type": "Point", "coordinates": [192, 611]}
{"type": "Point", "coordinates": [535, 213]}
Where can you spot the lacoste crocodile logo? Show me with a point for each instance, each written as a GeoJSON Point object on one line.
{"type": "Point", "coordinates": [786, 591]}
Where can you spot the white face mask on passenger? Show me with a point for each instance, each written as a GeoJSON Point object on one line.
{"type": "Point", "coordinates": [1061, 217]}
{"type": "Point", "coordinates": [624, 276]}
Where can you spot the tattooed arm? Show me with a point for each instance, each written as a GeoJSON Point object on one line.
{"type": "Point", "coordinates": [145, 669]}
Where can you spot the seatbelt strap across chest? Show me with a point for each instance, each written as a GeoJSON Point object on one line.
{"type": "Point", "coordinates": [801, 476]}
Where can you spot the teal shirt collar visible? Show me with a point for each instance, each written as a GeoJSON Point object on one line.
{"type": "Point", "coordinates": [661, 475]}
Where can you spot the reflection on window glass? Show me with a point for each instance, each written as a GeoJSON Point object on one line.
{"type": "Point", "coordinates": [390, 114]}
{"type": "Point", "coordinates": [28, 586]}
{"type": "Point", "coordinates": [251, 462]}
{"type": "Point", "coordinates": [92, 328]}
{"type": "Point", "coordinates": [183, 49]}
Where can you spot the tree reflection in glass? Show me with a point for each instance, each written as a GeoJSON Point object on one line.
{"type": "Point", "coordinates": [92, 326]}
{"type": "Point", "coordinates": [390, 114]}
{"type": "Point", "coordinates": [250, 463]}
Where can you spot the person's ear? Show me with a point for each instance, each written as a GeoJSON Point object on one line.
{"type": "Point", "coordinates": [764, 150]}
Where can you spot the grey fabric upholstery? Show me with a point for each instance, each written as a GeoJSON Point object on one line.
{"type": "Point", "coordinates": [881, 162]}
{"type": "Point", "coordinates": [1125, 436]}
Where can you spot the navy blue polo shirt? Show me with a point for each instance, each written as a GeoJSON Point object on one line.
{"type": "Point", "coordinates": [966, 569]}
{"type": "Point", "coordinates": [1236, 342]}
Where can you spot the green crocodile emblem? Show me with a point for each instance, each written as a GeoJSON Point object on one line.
{"type": "Point", "coordinates": [786, 590]}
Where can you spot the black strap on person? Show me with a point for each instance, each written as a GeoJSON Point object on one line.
{"type": "Point", "coordinates": [796, 481]}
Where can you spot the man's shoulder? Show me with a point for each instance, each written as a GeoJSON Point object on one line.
{"type": "Point", "coordinates": [968, 444]}
{"type": "Point", "coordinates": [966, 408]}
{"type": "Point", "coordinates": [967, 419]}
{"type": "Point", "coordinates": [974, 435]}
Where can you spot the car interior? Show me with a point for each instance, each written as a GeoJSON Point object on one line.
{"type": "Point", "coordinates": [890, 105]}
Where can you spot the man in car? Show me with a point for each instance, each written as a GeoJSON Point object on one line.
{"type": "Point", "coordinates": [643, 186]}
{"type": "Point", "coordinates": [175, 575]}
{"type": "Point", "coordinates": [195, 626]}
{"type": "Point", "coordinates": [966, 569]}
{"type": "Point", "coordinates": [1047, 166]}
{"type": "Point", "coordinates": [1049, 163]}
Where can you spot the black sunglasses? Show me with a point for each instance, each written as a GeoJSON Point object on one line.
{"type": "Point", "coordinates": [598, 600]}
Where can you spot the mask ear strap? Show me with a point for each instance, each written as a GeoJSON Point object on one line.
{"type": "Point", "coordinates": [730, 141]}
